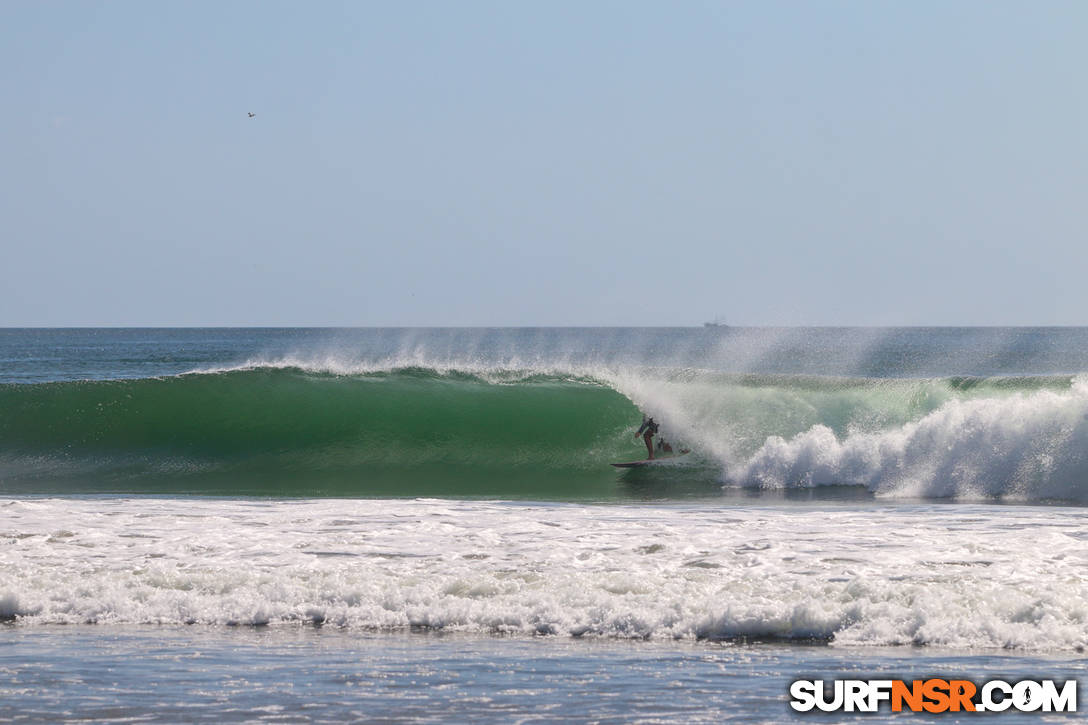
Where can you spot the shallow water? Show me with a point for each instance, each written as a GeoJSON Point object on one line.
{"type": "Point", "coordinates": [294, 674]}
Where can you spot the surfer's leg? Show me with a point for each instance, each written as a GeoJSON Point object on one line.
{"type": "Point", "coordinates": [649, 438]}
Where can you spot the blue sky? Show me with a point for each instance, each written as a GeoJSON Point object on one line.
{"type": "Point", "coordinates": [550, 163]}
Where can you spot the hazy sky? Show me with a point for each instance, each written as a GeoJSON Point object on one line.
{"type": "Point", "coordinates": [544, 163]}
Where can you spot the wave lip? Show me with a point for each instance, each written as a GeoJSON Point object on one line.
{"type": "Point", "coordinates": [962, 577]}
{"type": "Point", "coordinates": [306, 427]}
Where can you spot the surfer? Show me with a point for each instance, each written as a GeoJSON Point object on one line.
{"type": "Point", "coordinates": [647, 431]}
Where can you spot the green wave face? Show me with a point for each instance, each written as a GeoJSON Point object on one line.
{"type": "Point", "coordinates": [416, 432]}
{"type": "Point", "coordinates": [287, 432]}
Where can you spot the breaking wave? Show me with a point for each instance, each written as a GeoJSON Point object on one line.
{"type": "Point", "coordinates": [291, 428]}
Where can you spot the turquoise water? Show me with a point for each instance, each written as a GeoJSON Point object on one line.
{"type": "Point", "coordinates": [422, 525]}
{"type": "Point", "coordinates": [538, 413]}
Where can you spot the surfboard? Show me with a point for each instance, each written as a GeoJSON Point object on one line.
{"type": "Point", "coordinates": [649, 461]}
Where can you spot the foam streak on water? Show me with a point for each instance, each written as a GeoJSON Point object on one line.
{"type": "Point", "coordinates": [944, 576]}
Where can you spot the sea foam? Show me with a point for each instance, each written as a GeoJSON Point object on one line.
{"type": "Point", "coordinates": [1024, 446]}
{"type": "Point", "coordinates": [944, 576]}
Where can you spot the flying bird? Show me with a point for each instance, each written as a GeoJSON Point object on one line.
{"type": "Point", "coordinates": [251, 115]}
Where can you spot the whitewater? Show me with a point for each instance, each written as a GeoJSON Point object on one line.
{"type": "Point", "coordinates": [955, 577]}
{"type": "Point", "coordinates": [210, 524]}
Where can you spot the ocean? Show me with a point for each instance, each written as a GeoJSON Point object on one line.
{"type": "Point", "coordinates": [422, 525]}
